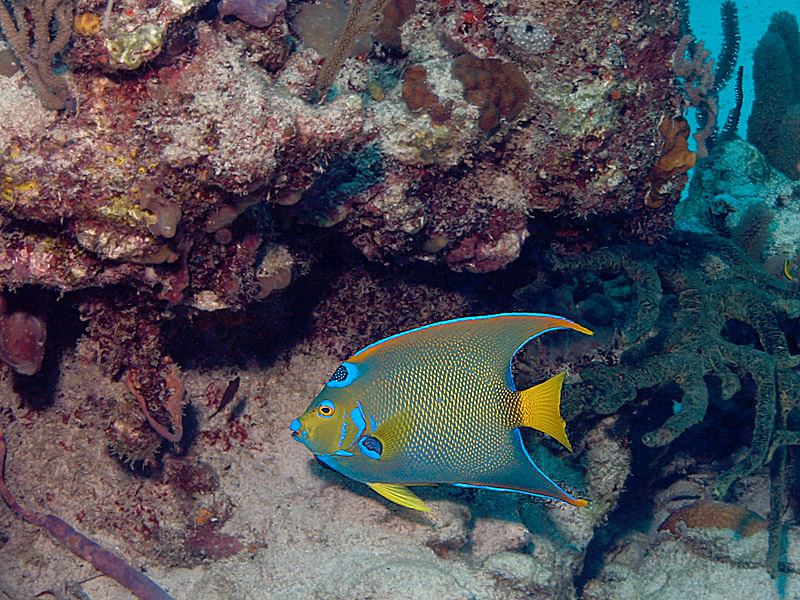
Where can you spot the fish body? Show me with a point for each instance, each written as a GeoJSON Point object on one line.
{"type": "Point", "coordinates": [437, 404]}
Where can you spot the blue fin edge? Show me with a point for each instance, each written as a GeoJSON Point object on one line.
{"type": "Point", "coordinates": [518, 435]}
{"type": "Point", "coordinates": [509, 374]}
{"type": "Point", "coordinates": [502, 489]}
{"type": "Point", "coordinates": [473, 318]}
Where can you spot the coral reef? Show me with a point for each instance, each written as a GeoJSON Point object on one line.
{"type": "Point", "coordinates": [704, 80]}
{"type": "Point", "coordinates": [197, 213]}
{"type": "Point", "coordinates": [725, 189]}
{"type": "Point", "coordinates": [169, 147]}
{"type": "Point", "coordinates": [235, 495]}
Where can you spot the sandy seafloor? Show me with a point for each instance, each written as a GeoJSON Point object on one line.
{"type": "Point", "coordinates": [307, 532]}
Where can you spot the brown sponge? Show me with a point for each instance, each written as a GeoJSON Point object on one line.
{"type": "Point", "coordinates": [418, 96]}
{"type": "Point", "coordinates": [387, 33]}
{"type": "Point", "coordinates": [499, 89]}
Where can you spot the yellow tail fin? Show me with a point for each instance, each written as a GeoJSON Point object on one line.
{"type": "Point", "coordinates": [540, 408]}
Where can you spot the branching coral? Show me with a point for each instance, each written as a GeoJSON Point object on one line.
{"type": "Point", "coordinates": [27, 29]}
{"type": "Point", "coordinates": [699, 75]}
{"type": "Point", "coordinates": [689, 290]}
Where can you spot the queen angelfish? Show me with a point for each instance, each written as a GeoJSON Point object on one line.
{"type": "Point", "coordinates": [437, 404]}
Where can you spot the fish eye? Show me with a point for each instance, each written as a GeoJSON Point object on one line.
{"type": "Point", "coordinates": [326, 409]}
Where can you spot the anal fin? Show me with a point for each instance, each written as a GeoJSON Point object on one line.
{"type": "Point", "coordinates": [520, 473]}
{"type": "Point", "coordinates": [399, 494]}
{"type": "Point", "coordinates": [563, 496]}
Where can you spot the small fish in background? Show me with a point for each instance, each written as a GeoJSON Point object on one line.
{"type": "Point", "coordinates": [785, 268]}
{"type": "Point", "coordinates": [437, 404]}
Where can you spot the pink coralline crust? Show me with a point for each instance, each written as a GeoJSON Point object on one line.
{"type": "Point", "coordinates": [482, 256]}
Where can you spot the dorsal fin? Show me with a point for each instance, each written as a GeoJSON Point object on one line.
{"type": "Point", "coordinates": [499, 337]}
{"type": "Point", "coordinates": [540, 409]}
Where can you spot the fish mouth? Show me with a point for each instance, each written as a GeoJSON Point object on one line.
{"type": "Point", "coordinates": [300, 436]}
{"type": "Point", "coordinates": [298, 433]}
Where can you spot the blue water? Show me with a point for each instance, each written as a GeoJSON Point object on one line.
{"type": "Point", "coordinates": [754, 16]}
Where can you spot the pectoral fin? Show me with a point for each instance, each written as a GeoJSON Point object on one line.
{"type": "Point", "coordinates": [399, 494]}
{"type": "Point", "coordinates": [393, 436]}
